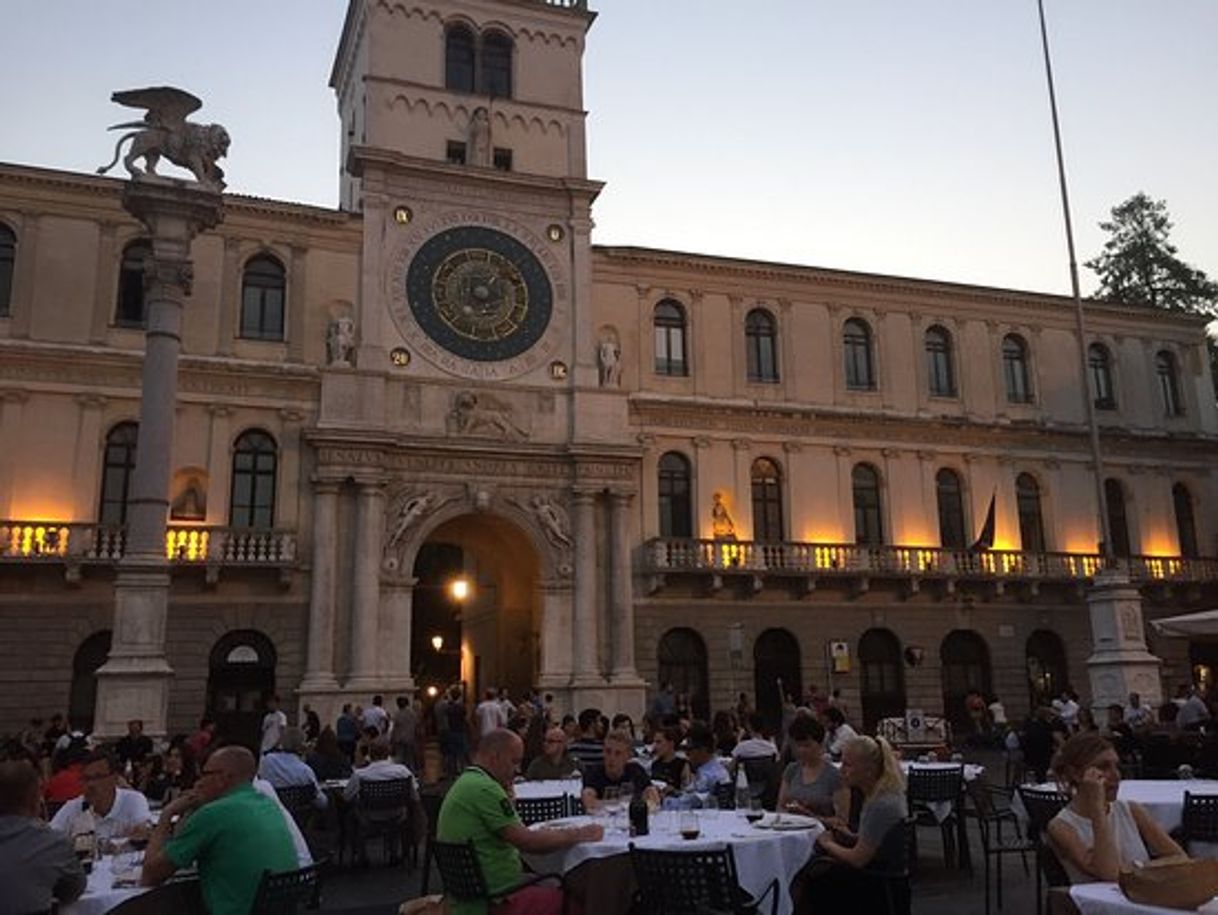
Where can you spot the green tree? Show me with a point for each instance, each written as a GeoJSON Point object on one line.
{"type": "Point", "coordinates": [1138, 265]}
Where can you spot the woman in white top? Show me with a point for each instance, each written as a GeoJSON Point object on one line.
{"type": "Point", "coordinates": [1096, 835]}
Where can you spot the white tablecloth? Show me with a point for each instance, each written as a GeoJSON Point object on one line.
{"type": "Point", "coordinates": [1162, 798]}
{"type": "Point", "coordinates": [100, 896]}
{"type": "Point", "coordinates": [1107, 899]}
{"type": "Point", "coordinates": [761, 854]}
{"type": "Point", "coordinates": [551, 787]}
{"type": "Point", "coordinates": [970, 771]}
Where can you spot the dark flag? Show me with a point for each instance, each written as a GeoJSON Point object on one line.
{"type": "Point", "coordinates": [985, 540]}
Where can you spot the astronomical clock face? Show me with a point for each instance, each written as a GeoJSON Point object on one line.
{"type": "Point", "coordinates": [479, 293]}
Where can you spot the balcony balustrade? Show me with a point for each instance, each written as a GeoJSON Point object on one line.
{"type": "Point", "coordinates": [76, 544]}
{"type": "Point", "coordinates": [664, 556]}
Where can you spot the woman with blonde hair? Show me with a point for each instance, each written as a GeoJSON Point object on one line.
{"type": "Point", "coordinates": [878, 848]}
{"type": "Point", "coordinates": [1096, 835]}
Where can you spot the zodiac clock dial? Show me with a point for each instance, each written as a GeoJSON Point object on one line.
{"type": "Point", "coordinates": [479, 293]}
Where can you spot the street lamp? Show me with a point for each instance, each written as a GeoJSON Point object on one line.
{"type": "Point", "coordinates": [459, 589]}
{"type": "Point", "coordinates": [437, 642]}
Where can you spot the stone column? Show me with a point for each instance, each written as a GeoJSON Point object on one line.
{"type": "Point", "coordinates": [12, 406]}
{"type": "Point", "coordinates": [394, 632]}
{"type": "Point", "coordinates": [555, 669]}
{"type": "Point", "coordinates": [319, 660]}
{"type": "Point", "coordinates": [134, 681]}
{"type": "Point", "coordinates": [1119, 662]}
{"type": "Point", "coordinates": [366, 591]}
{"type": "Point", "coordinates": [583, 508]}
{"type": "Point", "coordinates": [622, 599]}
{"type": "Point", "coordinates": [88, 455]}
{"type": "Point", "coordinates": [21, 304]}
{"type": "Point", "coordinates": [105, 282]}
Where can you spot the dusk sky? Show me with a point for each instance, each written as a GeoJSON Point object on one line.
{"type": "Point", "coordinates": [907, 137]}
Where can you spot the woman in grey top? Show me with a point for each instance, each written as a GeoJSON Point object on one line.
{"type": "Point", "coordinates": [811, 785]}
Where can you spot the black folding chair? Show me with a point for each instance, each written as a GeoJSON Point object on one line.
{"type": "Point", "coordinates": [927, 786]}
{"type": "Point", "coordinates": [383, 809]}
{"type": "Point", "coordinates": [299, 800]}
{"type": "Point", "coordinates": [540, 809]}
{"type": "Point", "coordinates": [1199, 820]}
{"type": "Point", "coordinates": [288, 892]}
{"type": "Point", "coordinates": [765, 779]}
{"type": "Point", "coordinates": [462, 877]}
{"type": "Point", "coordinates": [993, 812]}
{"type": "Point", "coordinates": [694, 881]}
{"type": "Point", "coordinates": [431, 807]}
{"type": "Point", "coordinates": [1043, 806]}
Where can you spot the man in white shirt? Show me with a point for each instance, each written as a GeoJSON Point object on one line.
{"type": "Point", "coordinates": [1067, 709]}
{"type": "Point", "coordinates": [380, 768]}
{"type": "Point", "coordinates": [755, 745]}
{"type": "Point", "coordinates": [284, 768]}
{"type": "Point", "coordinates": [274, 723]}
{"type": "Point", "coordinates": [105, 809]}
{"type": "Point", "coordinates": [1193, 712]}
{"type": "Point", "coordinates": [1138, 716]}
{"type": "Point", "coordinates": [490, 714]}
{"type": "Point", "coordinates": [375, 716]}
{"type": "Point", "coordinates": [840, 733]}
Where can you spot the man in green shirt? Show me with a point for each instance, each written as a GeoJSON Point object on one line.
{"type": "Point", "coordinates": [234, 833]}
{"type": "Point", "coordinates": [479, 808]}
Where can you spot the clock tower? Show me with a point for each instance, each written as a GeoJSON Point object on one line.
{"type": "Point", "coordinates": [479, 406]}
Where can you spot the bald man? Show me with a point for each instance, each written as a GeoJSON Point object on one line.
{"type": "Point", "coordinates": [478, 808]}
{"type": "Point", "coordinates": [228, 828]}
{"type": "Point", "coordinates": [554, 761]}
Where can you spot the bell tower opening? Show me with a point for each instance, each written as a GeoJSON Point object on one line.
{"type": "Point", "coordinates": [476, 607]}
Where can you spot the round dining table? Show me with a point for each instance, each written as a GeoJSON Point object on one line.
{"type": "Point", "coordinates": [600, 872]}
{"type": "Point", "coordinates": [1107, 899]}
{"type": "Point", "coordinates": [101, 895]}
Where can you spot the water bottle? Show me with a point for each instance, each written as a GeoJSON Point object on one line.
{"type": "Point", "coordinates": [638, 815]}
{"type": "Point", "coordinates": [742, 788]}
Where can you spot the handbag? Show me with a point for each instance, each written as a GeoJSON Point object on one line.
{"type": "Point", "coordinates": [1175, 882]}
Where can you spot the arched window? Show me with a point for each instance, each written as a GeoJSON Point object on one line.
{"type": "Point", "coordinates": [1027, 503]}
{"type": "Point", "coordinates": [1015, 369]}
{"type": "Point", "coordinates": [241, 677]}
{"type": "Point", "coordinates": [682, 662]}
{"type": "Point", "coordinates": [882, 677]}
{"type": "Point", "coordinates": [1169, 383]}
{"type": "Point", "coordinates": [856, 345]}
{"type": "Point", "coordinates": [940, 371]}
{"type": "Point", "coordinates": [8, 257]}
{"type": "Point", "coordinates": [1118, 518]}
{"type": "Point", "coordinates": [118, 464]}
{"type": "Point", "coordinates": [951, 509]}
{"type": "Point", "coordinates": [767, 501]}
{"type": "Point", "coordinates": [868, 522]}
{"type": "Point", "coordinates": [459, 58]}
{"type": "Point", "coordinates": [965, 660]}
{"type": "Point", "coordinates": [775, 658]}
{"type": "Point", "coordinates": [1186, 527]}
{"type": "Point", "coordinates": [130, 309]}
{"type": "Point", "coordinates": [496, 65]}
{"type": "Point", "coordinates": [761, 345]}
{"type": "Point", "coordinates": [1046, 660]}
{"type": "Point", "coordinates": [669, 321]}
{"type": "Point", "coordinates": [676, 514]}
{"type": "Point", "coordinates": [1100, 363]}
{"type": "Point", "coordinates": [82, 695]}
{"type": "Point", "coordinates": [253, 487]}
{"type": "Point", "coordinates": [262, 286]}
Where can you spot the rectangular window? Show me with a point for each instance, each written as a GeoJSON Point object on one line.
{"type": "Point", "coordinates": [503, 159]}
{"type": "Point", "coordinates": [455, 154]}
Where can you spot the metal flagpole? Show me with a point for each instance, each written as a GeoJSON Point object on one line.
{"type": "Point", "coordinates": [1101, 502]}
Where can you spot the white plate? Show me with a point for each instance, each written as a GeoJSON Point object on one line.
{"type": "Point", "coordinates": [787, 821]}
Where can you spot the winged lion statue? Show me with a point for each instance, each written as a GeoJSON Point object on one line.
{"type": "Point", "coordinates": [164, 131]}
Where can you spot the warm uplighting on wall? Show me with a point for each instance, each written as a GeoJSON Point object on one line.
{"type": "Point", "coordinates": [730, 553]}
{"type": "Point", "coordinates": [187, 544]}
{"type": "Point", "coordinates": [830, 557]}
{"type": "Point", "coordinates": [36, 539]}
{"type": "Point", "coordinates": [1161, 567]}
{"type": "Point", "coordinates": [917, 559]}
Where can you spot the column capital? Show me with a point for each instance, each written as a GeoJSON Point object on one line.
{"type": "Point", "coordinates": [584, 495]}
{"type": "Point", "coordinates": [219, 410]}
{"type": "Point", "coordinates": [324, 485]}
{"type": "Point", "coordinates": [14, 395]}
{"type": "Point", "coordinates": [621, 497]}
{"type": "Point", "coordinates": [91, 401]}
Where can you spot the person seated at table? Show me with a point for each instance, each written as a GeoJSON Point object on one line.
{"type": "Point", "coordinates": [233, 833]}
{"type": "Point", "coordinates": [135, 744]}
{"type": "Point", "coordinates": [284, 768]}
{"type": "Point", "coordinates": [67, 765]}
{"type": "Point", "coordinates": [726, 734]}
{"type": "Point", "coordinates": [554, 761]}
{"type": "Point", "coordinates": [37, 865]}
{"type": "Point", "coordinates": [708, 771]}
{"type": "Point", "coordinates": [167, 776]}
{"type": "Point", "coordinates": [104, 808]}
{"type": "Point", "coordinates": [755, 744]}
{"type": "Point", "coordinates": [666, 765]}
{"type": "Point", "coordinates": [368, 737]}
{"type": "Point", "coordinates": [617, 771]}
{"type": "Point", "coordinates": [587, 745]}
{"type": "Point", "coordinates": [840, 732]}
{"type": "Point", "coordinates": [846, 880]}
{"type": "Point", "coordinates": [1096, 835]}
{"type": "Point", "coordinates": [1120, 731]}
{"type": "Point", "coordinates": [326, 759]}
{"type": "Point", "coordinates": [1137, 715]}
{"type": "Point", "coordinates": [380, 768]}
{"type": "Point", "coordinates": [477, 808]}
{"type": "Point", "coordinates": [623, 722]}
{"type": "Point", "coordinates": [812, 785]}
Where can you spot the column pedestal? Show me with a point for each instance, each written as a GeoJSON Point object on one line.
{"type": "Point", "coordinates": [1119, 663]}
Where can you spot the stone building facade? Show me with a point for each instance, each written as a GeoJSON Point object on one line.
{"type": "Point", "coordinates": [651, 466]}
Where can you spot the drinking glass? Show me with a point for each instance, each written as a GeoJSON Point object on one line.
{"type": "Point", "coordinates": [756, 809]}
{"type": "Point", "coordinates": [689, 824]}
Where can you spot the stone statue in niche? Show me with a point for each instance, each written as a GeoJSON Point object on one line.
{"type": "Point", "coordinates": [191, 503]}
{"type": "Point", "coordinates": [164, 131]}
{"type": "Point", "coordinates": [609, 360]}
{"type": "Point", "coordinates": [480, 138]}
{"type": "Point", "coordinates": [475, 414]}
{"type": "Point", "coordinates": [722, 526]}
{"type": "Point", "coordinates": [340, 342]}
{"type": "Point", "coordinates": [406, 511]}
{"type": "Point", "coordinates": [553, 520]}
